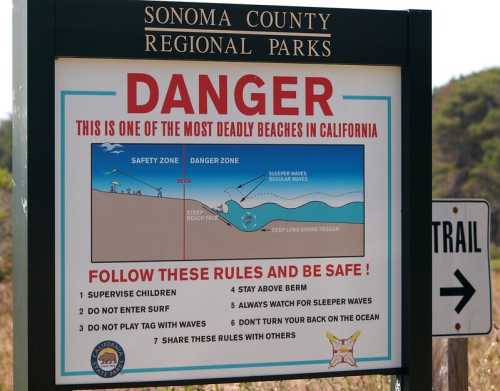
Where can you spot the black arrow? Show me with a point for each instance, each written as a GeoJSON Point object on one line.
{"type": "Point", "coordinates": [466, 291]}
{"type": "Point", "coordinates": [250, 181]}
{"type": "Point", "coordinates": [251, 191]}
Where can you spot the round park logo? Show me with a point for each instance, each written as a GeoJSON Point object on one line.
{"type": "Point", "coordinates": [107, 359]}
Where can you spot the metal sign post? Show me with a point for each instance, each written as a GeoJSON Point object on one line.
{"type": "Point", "coordinates": [216, 193]}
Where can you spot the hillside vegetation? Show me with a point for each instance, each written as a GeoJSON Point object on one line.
{"type": "Point", "coordinates": [5, 259]}
{"type": "Point", "coordinates": [466, 141]}
{"type": "Point", "coordinates": [5, 190]}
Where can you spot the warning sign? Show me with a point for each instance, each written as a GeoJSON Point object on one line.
{"type": "Point", "coordinates": [230, 220]}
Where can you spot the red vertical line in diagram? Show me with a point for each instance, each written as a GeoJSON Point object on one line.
{"type": "Point", "coordinates": [184, 180]}
{"type": "Point", "coordinates": [184, 249]}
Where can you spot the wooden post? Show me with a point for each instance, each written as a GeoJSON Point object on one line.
{"type": "Point", "coordinates": [458, 366]}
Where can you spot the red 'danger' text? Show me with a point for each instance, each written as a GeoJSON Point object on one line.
{"type": "Point", "coordinates": [318, 91]}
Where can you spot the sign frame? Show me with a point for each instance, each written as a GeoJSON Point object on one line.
{"type": "Point", "coordinates": [42, 33]}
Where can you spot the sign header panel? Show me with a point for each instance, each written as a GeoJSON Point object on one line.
{"type": "Point", "coordinates": [461, 268]}
{"type": "Point", "coordinates": [232, 32]}
{"type": "Point", "coordinates": [235, 220]}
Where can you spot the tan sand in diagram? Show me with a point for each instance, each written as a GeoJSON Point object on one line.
{"type": "Point", "coordinates": [143, 228]}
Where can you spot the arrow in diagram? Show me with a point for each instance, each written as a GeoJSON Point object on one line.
{"type": "Point", "coordinates": [253, 189]}
{"type": "Point", "coordinates": [466, 291]}
{"type": "Point", "coordinates": [250, 181]}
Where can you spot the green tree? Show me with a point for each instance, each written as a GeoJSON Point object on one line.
{"type": "Point", "coordinates": [466, 140]}
{"type": "Point", "coordinates": [5, 144]}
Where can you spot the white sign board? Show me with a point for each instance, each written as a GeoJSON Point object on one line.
{"type": "Point", "coordinates": [220, 220]}
{"type": "Point", "coordinates": [461, 286]}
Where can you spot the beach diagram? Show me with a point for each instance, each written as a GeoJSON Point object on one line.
{"type": "Point", "coordinates": [174, 202]}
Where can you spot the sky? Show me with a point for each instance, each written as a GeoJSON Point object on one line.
{"type": "Point", "coordinates": [465, 35]}
{"type": "Point", "coordinates": [261, 170]}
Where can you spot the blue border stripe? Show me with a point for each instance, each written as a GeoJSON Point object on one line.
{"type": "Point", "coordinates": [63, 95]}
{"type": "Point", "coordinates": [225, 366]}
{"type": "Point", "coordinates": [389, 221]}
{"type": "Point", "coordinates": [366, 97]}
{"type": "Point", "coordinates": [388, 100]}
{"type": "Point", "coordinates": [88, 93]}
{"type": "Point", "coordinates": [63, 249]}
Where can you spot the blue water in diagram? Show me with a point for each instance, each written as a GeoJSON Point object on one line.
{"type": "Point", "coordinates": [253, 219]}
